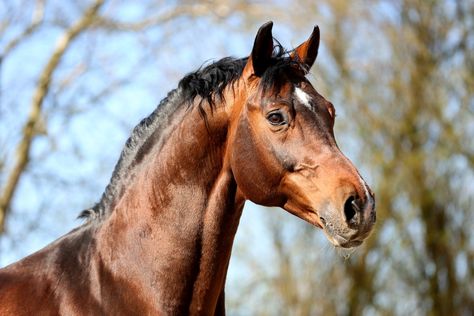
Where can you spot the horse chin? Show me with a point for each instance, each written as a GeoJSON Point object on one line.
{"type": "Point", "coordinates": [341, 242]}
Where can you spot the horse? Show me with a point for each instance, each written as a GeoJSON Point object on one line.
{"type": "Point", "coordinates": [159, 240]}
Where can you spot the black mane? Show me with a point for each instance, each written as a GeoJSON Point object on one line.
{"type": "Point", "coordinates": [207, 83]}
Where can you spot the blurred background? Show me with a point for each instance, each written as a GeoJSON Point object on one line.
{"type": "Point", "coordinates": [76, 76]}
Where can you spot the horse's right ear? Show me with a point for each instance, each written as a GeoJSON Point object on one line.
{"type": "Point", "coordinates": [308, 51]}
{"type": "Point", "coordinates": [262, 50]}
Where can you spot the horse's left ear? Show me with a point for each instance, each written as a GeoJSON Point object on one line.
{"type": "Point", "coordinates": [262, 50]}
{"type": "Point", "coordinates": [308, 51]}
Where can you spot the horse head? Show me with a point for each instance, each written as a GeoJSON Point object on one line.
{"type": "Point", "coordinates": [284, 152]}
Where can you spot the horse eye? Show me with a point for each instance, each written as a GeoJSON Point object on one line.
{"type": "Point", "coordinates": [276, 118]}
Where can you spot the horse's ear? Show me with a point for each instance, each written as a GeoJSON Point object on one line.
{"type": "Point", "coordinates": [308, 51]}
{"type": "Point", "coordinates": [262, 51]}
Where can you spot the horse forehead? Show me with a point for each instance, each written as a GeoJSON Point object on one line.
{"type": "Point", "coordinates": [283, 92]}
{"type": "Point", "coordinates": [303, 93]}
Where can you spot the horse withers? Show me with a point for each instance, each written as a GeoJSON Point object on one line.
{"type": "Point", "coordinates": [159, 240]}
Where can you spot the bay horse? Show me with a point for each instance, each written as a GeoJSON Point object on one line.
{"type": "Point", "coordinates": [160, 239]}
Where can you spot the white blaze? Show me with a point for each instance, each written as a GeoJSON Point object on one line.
{"type": "Point", "coordinates": [303, 97]}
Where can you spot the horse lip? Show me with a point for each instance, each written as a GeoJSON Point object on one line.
{"type": "Point", "coordinates": [336, 239]}
{"type": "Point", "coordinates": [340, 241]}
{"type": "Point", "coordinates": [350, 243]}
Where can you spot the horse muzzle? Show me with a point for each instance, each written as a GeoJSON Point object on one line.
{"type": "Point", "coordinates": [351, 226]}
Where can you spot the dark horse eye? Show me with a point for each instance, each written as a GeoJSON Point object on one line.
{"type": "Point", "coordinates": [276, 118]}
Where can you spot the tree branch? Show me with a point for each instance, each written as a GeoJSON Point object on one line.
{"type": "Point", "coordinates": [38, 15]}
{"type": "Point", "coordinates": [115, 25]}
{"type": "Point", "coordinates": [42, 88]}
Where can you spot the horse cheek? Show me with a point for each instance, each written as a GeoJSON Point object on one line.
{"type": "Point", "coordinates": [252, 168]}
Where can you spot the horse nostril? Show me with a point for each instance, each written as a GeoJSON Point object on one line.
{"type": "Point", "coordinates": [350, 208]}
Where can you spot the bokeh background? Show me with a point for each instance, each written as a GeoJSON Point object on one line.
{"type": "Point", "coordinates": [76, 76]}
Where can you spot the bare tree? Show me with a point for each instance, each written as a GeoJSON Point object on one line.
{"type": "Point", "coordinates": [30, 129]}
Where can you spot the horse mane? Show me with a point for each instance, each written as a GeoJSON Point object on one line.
{"type": "Point", "coordinates": [208, 84]}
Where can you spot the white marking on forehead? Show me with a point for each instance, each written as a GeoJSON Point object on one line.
{"type": "Point", "coordinates": [303, 97]}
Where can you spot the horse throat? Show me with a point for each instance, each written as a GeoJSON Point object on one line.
{"type": "Point", "coordinates": [171, 233]}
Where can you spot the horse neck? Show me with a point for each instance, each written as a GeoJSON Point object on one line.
{"type": "Point", "coordinates": [173, 229]}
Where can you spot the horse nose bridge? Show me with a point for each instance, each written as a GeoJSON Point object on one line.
{"type": "Point", "coordinates": [354, 198]}
{"type": "Point", "coordinates": [348, 174]}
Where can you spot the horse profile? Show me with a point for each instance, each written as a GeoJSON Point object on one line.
{"type": "Point", "coordinates": [159, 241]}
